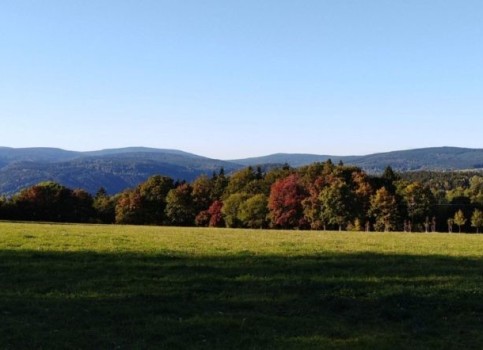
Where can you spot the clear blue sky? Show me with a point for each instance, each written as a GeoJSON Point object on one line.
{"type": "Point", "coordinates": [230, 79]}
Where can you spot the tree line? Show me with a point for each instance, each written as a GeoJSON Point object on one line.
{"type": "Point", "coordinates": [320, 196]}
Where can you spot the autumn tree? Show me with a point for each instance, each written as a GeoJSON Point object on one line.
{"type": "Point", "coordinates": [144, 204]}
{"type": "Point", "coordinates": [477, 220]}
{"type": "Point", "coordinates": [285, 203]}
{"type": "Point", "coordinates": [129, 208]}
{"type": "Point", "coordinates": [216, 216]}
{"type": "Point", "coordinates": [275, 174]}
{"type": "Point", "coordinates": [384, 210]}
{"type": "Point", "coordinates": [459, 219]}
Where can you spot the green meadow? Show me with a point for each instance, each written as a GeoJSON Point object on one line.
{"type": "Point", "coordinates": [132, 287]}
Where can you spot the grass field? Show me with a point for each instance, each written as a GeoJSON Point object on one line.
{"type": "Point", "coordinates": [126, 287]}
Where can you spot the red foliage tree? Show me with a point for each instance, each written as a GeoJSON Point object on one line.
{"type": "Point", "coordinates": [216, 219]}
{"type": "Point", "coordinates": [212, 217]}
{"type": "Point", "coordinates": [285, 203]}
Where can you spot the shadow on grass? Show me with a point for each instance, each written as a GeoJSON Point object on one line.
{"type": "Point", "coordinates": [87, 300]}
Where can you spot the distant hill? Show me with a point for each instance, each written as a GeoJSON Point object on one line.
{"type": "Point", "coordinates": [435, 158]}
{"type": "Point", "coordinates": [115, 169]}
{"type": "Point", "coordinates": [292, 159]}
{"type": "Point", "coordinates": [118, 169]}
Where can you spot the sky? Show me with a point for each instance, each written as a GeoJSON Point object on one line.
{"type": "Point", "coordinates": [240, 78]}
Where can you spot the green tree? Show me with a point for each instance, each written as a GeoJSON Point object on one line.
{"type": "Point", "coordinates": [202, 193]}
{"type": "Point", "coordinates": [459, 219]}
{"type": "Point", "coordinates": [105, 207]}
{"type": "Point", "coordinates": [219, 181]}
{"type": "Point", "coordinates": [254, 211]}
{"type": "Point", "coordinates": [336, 203]}
{"type": "Point", "coordinates": [477, 220]}
{"type": "Point", "coordinates": [231, 209]}
{"type": "Point", "coordinates": [476, 189]}
{"type": "Point", "coordinates": [389, 178]}
{"type": "Point", "coordinates": [82, 207]}
{"type": "Point", "coordinates": [419, 200]}
{"type": "Point", "coordinates": [153, 194]}
{"type": "Point", "coordinates": [180, 208]}
{"type": "Point", "coordinates": [240, 181]}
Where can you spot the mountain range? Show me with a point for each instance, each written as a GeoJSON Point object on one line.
{"type": "Point", "coordinates": [118, 169]}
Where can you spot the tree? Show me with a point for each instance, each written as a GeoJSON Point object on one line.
{"type": "Point", "coordinates": [285, 203]}
{"type": "Point", "coordinates": [129, 208]}
{"type": "Point", "coordinates": [231, 209]}
{"type": "Point", "coordinates": [336, 203]}
{"type": "Point", "coordinates": [240, 182]}
{"type": "Point", "coordinates": [312, 210]}
{"type": "Point", "coordinates": [476, 189]}
{"type": "Point", "coordinates": [216, 216]}
{"type": "Point", "coordinates": [153, 194]}
{"type": "Point", "coordinates": [146, 203]}
{"type": "Point", "coordinates": [202, 193]}
{"type": "Point", "coordinates": [363, 191]}
{"type": "Point", "coordinates": [384, 210]}
{"type": "Point", "coordinates": [180, 208]}
{"type": "Point", "coordinates": [211, 217]}
{"type": "Point", "coordinates": [105, 207]}
{"type": "Point", "coordinates": [253, 212]}
{"type": "Point", "coordinates": [3, 208]}
{"type": "Point", "coordinates": [477, 220]}
{"type": "Point", "coordinates": [82, 207]}
{"type": "Point", "coordinates": [312, 207]}
{"type": "Point", "coordinates": [50, 201]}
{"type": "Point", "coordinates": [219, 182]}
{"type": "Point", "coordinates": [389, 177]}
{"type": "Point", "coordinates": [419, 200]}
{"type": "Point", "coordinates": [459, 219]}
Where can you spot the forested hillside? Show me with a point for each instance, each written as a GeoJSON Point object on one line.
{"type": "Point", "coordinates": [115, 170]}
{"type": "Point", "coordinates": [436, 158]}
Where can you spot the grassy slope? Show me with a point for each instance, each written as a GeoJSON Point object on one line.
{"type": "Point", "coordinates": [74, 286]}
